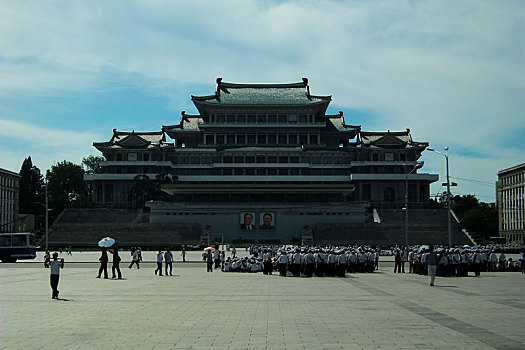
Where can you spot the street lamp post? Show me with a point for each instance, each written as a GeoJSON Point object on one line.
{"type": "Point", "coordinates": [448, 195]}
{"type": "Point", "coordinates": [47, 219]}
{"type": "Point", "coordinates": [417, 166]}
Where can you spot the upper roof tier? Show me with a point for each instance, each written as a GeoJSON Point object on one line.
{"type": "Point", "coordinates": [294, 94]}
{"type": "Point", "coordinates": [134, 140]}
{"type": "Point", "coordinates": [387, 140]}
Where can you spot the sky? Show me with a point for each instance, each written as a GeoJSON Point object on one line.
{"type": "Point", "coordinates": [451, 71]}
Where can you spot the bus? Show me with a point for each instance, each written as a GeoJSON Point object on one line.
{"type": "Point", "coordinates": [15, 246]}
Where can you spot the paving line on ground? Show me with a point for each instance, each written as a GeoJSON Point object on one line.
{"type": "Point", "coordinates": [483, 335]}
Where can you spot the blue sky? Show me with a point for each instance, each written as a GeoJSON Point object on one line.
{"type": "Point", "coordinates": [451, 71]}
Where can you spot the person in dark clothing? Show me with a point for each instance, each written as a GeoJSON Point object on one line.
{"type": "Point", "coordinates": [209, 261]}
{"type": "Point", "coordinates": [103, 264]}
{"type": "Point", "coordinates": [116, 262]}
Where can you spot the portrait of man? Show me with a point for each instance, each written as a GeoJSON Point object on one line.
{"type": "Point", "coordinates": [267, 220]}
{"type": "Point", "coordinates": [247, 221]}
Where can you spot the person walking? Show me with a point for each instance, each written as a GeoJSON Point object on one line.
{"type": "Point", "coordinates": [115, 267]}
{"type": "Point", "coordinates": [431, 260]}
{"type": "Point", "coordinates": [135, 258]}
{"type": "Point", "coordinates": [103, 264]}
{"type": "Point", "coordinates": [168, 259]}
{"type": "Point", "coordinates": [159, 263]}
{"type": "Point", "coordinates": [183, 255]}
{"type": "Point", "coordinates": [55, 265]}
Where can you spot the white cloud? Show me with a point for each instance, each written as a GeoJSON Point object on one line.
{"type": "Point", "coordinates": [45, 146]}
{"type": "Point", "coordinates": [451, 71]}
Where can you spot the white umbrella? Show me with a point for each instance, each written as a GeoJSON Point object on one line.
{"type": "Point", "coordinates": [106, 242]}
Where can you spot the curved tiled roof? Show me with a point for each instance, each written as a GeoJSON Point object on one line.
{"type": "Point", "coordinates": [261, 94]}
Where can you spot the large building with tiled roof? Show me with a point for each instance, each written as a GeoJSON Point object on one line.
{"type": "Point", "coordinates": [258, 149]}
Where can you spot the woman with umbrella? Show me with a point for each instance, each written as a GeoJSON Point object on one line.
{"type": "Point", "coordinates": [104, 243]}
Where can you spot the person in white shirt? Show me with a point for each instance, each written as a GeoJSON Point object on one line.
{"type": "Point", "coordinates": [159, 263]}
{"type": "Point", "coordinates": [168, 259]}
{"type": "Point", "coordinates": [282, 263]}
{"type": "Point", "coordinates": [310, 264]}
{"type": "Point", "coordinates": [55, 265]}
{"type": "Point", "coordinates": [297, 258]}
{"type": "Point", "coordinates": [502, 258]}
{"type": "Point", "coordinates": [135, 258]}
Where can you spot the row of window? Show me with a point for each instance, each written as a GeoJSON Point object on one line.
{"type": "Point", "coordinates": [260, 159]}
{"type": "Point", "coordinates": [262, 171]}
{"type": "Point", "coordinates": [261, 118]}
{"type": "Point", "coordinates": [6, 181]}
{"type": "Point", "coordinates": [285, 139]}
{"type": "Point", "coordinates": [513, 179]}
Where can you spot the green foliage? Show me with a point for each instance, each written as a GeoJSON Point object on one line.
{"type": "Point", "coordinates": [65, 184]}
{"type": "Point", "coordinates": [475, 216]}
{"type": "Point", "coordinates": [31, 189]}
{"type": "Point", "coordinates": [145, 189]}
{"type": "Point", "coordinates": [91, 164]}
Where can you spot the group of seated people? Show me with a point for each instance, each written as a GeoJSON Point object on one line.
{"type": "Point", "coordinates": [319, 261]}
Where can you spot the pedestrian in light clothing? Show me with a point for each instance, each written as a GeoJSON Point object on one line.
{"type": "Point", "coordinates": [431, 260]}
{"type": "Point", "coordinates": [55, 265]}
{"type": "Point", "coordinates": [135, 254]}
{"type": "Point", "coordinates": [159, 263]}
{"type": "Point", "coordinates": [168, 258]}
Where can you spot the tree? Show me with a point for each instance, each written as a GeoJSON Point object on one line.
{"type": "Point", "coordinates": [146, 189]}
{"type": "Point", "coordinates": [481, 218]}
{"type": "Point", "coordinates": [91, 164]}
{"type": "Point", "coordinates": [31, 188]}
{"type": "Point", "coordinates": [65, 182]}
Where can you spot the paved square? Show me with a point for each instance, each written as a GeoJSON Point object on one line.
{"type": "Point", "coordinates": [198, 310]}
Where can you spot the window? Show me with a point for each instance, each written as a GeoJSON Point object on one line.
{"type": "Point", "coordinates": [251, 118]}
{"type": "Point", "coordinates": [402, 157]}
{"type": "Point", "coordinates": [238, 171]}
{"type": "Point", "coordinates": [292, 118]}
{"type": "Point", "coordinates": [250, 159]}
{"type": "Point", "coordinates": [294, 159]}
{"type": "Point", "coordinates": [119, 156]}
{"type": "Point", "coordinates": [302, 118]}
{"type": "Point", "coordinates": [272, 118]}
{"type": "Point", "coordinates": [261, 139]}
{"type": "Point", "coordinates": [389, 194]}
{"type": "Point", "coordinates": [281, 119]}
{"type": "Point", "coordinates": [261, 119]}
{"type": "Point", "coordinates": [283, 171]}
{"type": "Point", "coordinates": [219, 118]}
{"type": "Point", "coordinates": [282, 139]}
{"type": "Point", "coordinates": [313, 139]}
{"type": "Point", "coordinates": [145, 157]}
{"type": "Point", "coordinates": [272, 139]}
{"type": "Point", "coordinates": [230, 118]}
{"type": "Point", "coordinates": [283, 159]}
{"type": "Point", "coordinates": [227, 159]}
{"type": "Point", "coordinates": [272, 171]}
{"type": "Point", "coordinates": [272, 159]}
{"type": "Point", "coordinates": [227, 171]}
{"type": "Point", "coordinates": [261, 159]}
{"type": "Point", "coordinates": [292, 139]}
{"type": "Point", "coordinates": [231, 139]}
{"type": "Point", "coordinates": [302, 139]}
{"type": "Point", "coordinates": [261, 171]}
{"type": "Point", "coordinates": [220, 139]}
{"type": "Point", "coordinates": [19, 241]}
{"type": "Point", "coordinates": [209, 139]}
{"type": "Point", "coordinates": [251, 139]}
{"type": "Point", "coordinates": [238, 160]}
{"type": "Point", "coordinates": [389, 156]}
{"type": "Point", "coordinates": [241, 139]}
{"type": "Point", "coordinates": [241, 118]}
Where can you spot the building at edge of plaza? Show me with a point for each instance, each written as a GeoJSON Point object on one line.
{"type": "Point", "coordinates": [263, 162]}
{"type": "Point", "coordinates": [9, 198]}
{"type": "Point", "coordinates": [510, 190]}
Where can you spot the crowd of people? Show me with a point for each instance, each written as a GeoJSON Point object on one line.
{"type": "Point", "coordinates": [327, 261]}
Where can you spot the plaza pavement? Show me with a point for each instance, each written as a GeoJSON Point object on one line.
{"type": "Point", "coordinates": [198, 310]}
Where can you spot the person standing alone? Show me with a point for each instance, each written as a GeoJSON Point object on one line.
{"type": "Point", "coordinates": [431, 259]}
{"type": "Point", "coordinates": [55, 265]}
{"type": "Point", "coordinates": [209, 261]}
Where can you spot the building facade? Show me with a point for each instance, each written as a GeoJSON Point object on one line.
{"type": "Point", "coordinates": [510, 190]}
{"type": "Point", "coordinates": [263, 161]}
{"type": "Point", "coordinates": [9, 194]}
